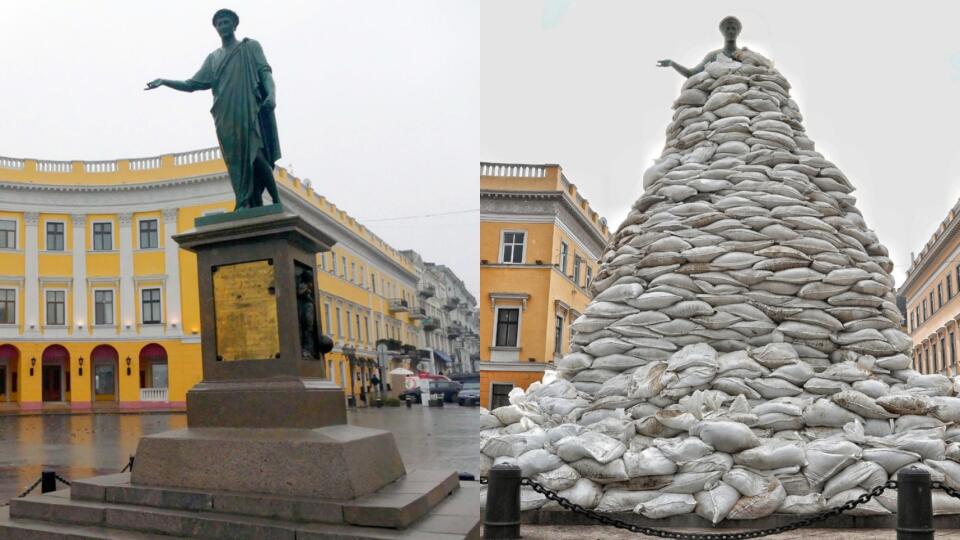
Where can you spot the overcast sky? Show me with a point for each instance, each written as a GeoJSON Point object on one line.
{"type": "Point", "coordinates": [575, 83]}
{"type": "Point", "coordinates": [376, 100]}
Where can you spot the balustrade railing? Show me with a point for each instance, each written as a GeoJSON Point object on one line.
{"type": "Point", "coordinates": [48, 166]}
{"type": "Point", "coordinates": [518, 170]}
{"type": "Point", "coordinates": [99, 166]}
{"type": "Point", "coordinates": [142, 164]}
{"type": "Point", "coordinates": [153, 394]}
{"type": "Point", "coordinates": [197, 156]}
{"type": "Point", "coordinates": [11, 163]}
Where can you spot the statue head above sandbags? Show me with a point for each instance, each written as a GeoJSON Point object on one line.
{"type": "Point", "coordinates": [730, 28]}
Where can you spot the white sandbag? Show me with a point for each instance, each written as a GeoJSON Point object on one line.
{"type": "Point", "coordinates": [530, 499]}
{"type": "Point", "coordinates": [648, 462]}
{"type": "Point", "coordinates": [647, 381]}
{"type": "Point", "coordinates": [824, 412]}
{"type": "Point", "coordinates": [911, 404]}
{"type": "Point", "coordinates": [601, 473]}
{"type": "Point", "coordinates": [537, 461]}
{"type": "Point", "coordinates": [950, 470]}
{"type": "Point", "coordinates": [826, 457]}
{"type": "Point", "coordinates": [812, 503]}
{"type": "Point", "coordinates": [489, 421]}
{"type": "Point", "coordinates": [559, 479]}
{"type": "Point", "coordinates": [513, 445]}
{"type": "Point", "coordinates": [760, 505]}
{"type": "Point", "coordinates": [585, 493]}
{"type": "Point", "coordinates": [718, 461]}
{"type": "Point", "coordinates": [666, 505]}
{"type": "Point", "coordinates": [891, 459]}
{"type": "Point", "coordinates": [507, 415]}
{"type": "Point", "coordinates": [860, 404]}
{"type": "Point", "coordinates": [596, 446]}
{"type": "Point", "coordinates": [623, 500]}
{"type": "Point", "coordinates": [871, 508]}
{"type": "Point", "coordinates": [681, 450]}
{"type": "Point", "coordinates": [695, 355]}
{"type": "Point", "coordinates": [947, 408]}
{"type": "Point", "coordinates": [729, 437]}
{"type": "Point", "coordinates": [772, 454]}
{"type": "Point", "coordinates": [863, 474]}
{"type": "Point", "coordinates": [714, 504]}
{"type": "Point", "coordinates": [775, 355]}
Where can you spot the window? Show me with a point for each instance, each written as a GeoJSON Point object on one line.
{"type": "Point", "coordinates": [339, 328]}
{"type": "Point", "coordinates": [102, 307]}
{"type": "Point", "coordinates": [373, 282]}
{"type": "Point", "coordinates": [366, 327]}
{"type": "Point", "coordinates": [151, 306]}
{"type": "Point", "coordinates": [916, 316]}
{"type": "Point", "coordinates": [102, 236]}
{"type": "Point", "coordinates": [353, 272]}
{"type": "Point", "coordinates": [8, 234]}
{"type": "Point", "coordinates": [500, 395]}
{"type": "Point", "coordinates": [949, 286]}
{"type": "Point", "coordinates": [508, 323]}
{"type": "Point", "coordinates": [359, 334]}
{"type": "Point", "coordinates": [513, 247]}
{"type": "Point", "coordinates": [149, 234]}
{"type": "Point", "coordinates": [56, 308]}
{"type": "Point", "coordinates": [589, 276]}
{"type": "Point", "coordinates": [343, 267]}
{"type": "Point", "coordinates": [939, 295]}
{"type": "Point", "coordinates": [54, 236]}
{"type": "Point", "coordinates": [558, 338]}
{"type": "Point", "coordinates": [931, 303]}
{"type": "Point", "coordinates": [323, 261]}
{"type": "Point", "coordinates": [564, 250]}
{"type": "Point", "coordinates": [363, 277]}
{"type": "Point", "coordinates": [576, 269]}
{"type": "Point", "coordinates": [376, 326]}
{"type": "Point", "coordinates": [924, 310]}
{"type": "Point", "coordinates": [953, 351]}
{"type": "Point", "coordinates": [326, 318]}
{"type": "Point", "coordinates": [933, 353]}
{"type": "Point", "coordinates": [8, 306]}
{"type": "Point", "coordinates": [333, 262]}
{"type": "Point", "coordinates": [349, 328]}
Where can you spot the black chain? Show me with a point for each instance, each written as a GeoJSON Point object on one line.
{"type": "Point", "coordinates": [949, 490]}
{"type": "Point", "coordinates": [805, 522]}
{"type": "Point", "coordinates": [61, 479]}
{"type": "Point", "coordinates": [484, 480]}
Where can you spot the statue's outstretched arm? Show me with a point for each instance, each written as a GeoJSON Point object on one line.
{"type": "Point", "coordinates": [188, 85]}
{"type": "Point", "coordinates": [685, 71]}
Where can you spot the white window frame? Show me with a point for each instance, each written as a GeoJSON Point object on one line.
{"type": "Point", "coordinates": [503, 243]}
{"type": "Point", "coordinates": [349, 328]}
{"type": "Point", "coordinates": [16, 233]}
{"type": "Point", "coordinates": [66, 311]}
{"type": "Point", "coordinates": [343, 270]}
{"type": "Point", "coordinates": [333, 267]}
{"type": "Point", "coordinates": [113, 231]}
{"type": "Point", "coordinates": [496, 324]}
{"type": "Point", "coordinates": [577, 261]}
{"type": "Point", "coordinates": [329, 323]}
{"type": "Point", "coordinates": [564, 255]}
{"type": "Point", "coordinates": [339, 326]}
{"type": "Point", "coordinates": [139, 246]}
{"type": "Point", "coordinates": [140, 296]}
{"type": "Point", "coordinates": [46, 248]}
{"type": "Point", "coordinates": [113, 301]}
{"type": "Point", "coordinates": [16, 306]}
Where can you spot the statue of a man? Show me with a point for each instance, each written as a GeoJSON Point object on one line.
{"type": "Point", "coordinates": [244, 98]}
{"type": "Point", "coordinates": [730, 28]}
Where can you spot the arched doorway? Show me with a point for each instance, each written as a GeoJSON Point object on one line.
{"type": "Point", "coordinates": [153, 373]}
{"type": "Point", "coordinates": [105, 361]}
{"type": "Point", "coordinates": [55, 377]}
{"type": "Point", "coordinates": [9, 360]}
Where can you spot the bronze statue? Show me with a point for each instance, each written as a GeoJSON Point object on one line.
{"type": "Point", "coordinates": [244, 98]}
{"type": "Point", "coordinates": [730, 28]}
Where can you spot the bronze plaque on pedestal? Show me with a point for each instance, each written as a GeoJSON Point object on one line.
{"type": "Point", "coordinates": [245, 310]}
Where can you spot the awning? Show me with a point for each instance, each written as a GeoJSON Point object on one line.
{"type": "Point", "coordinates": [443, 356]}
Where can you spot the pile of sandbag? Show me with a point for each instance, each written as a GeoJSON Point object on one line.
{"type": "Point", "coordinates": [742, 354]}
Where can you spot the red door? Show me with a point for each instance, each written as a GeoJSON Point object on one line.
{"type": "Point", "coordinates": [51, 384]}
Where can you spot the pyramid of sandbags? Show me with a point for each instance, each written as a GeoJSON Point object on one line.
{"type": "Point", "coordinates": [742, 354]}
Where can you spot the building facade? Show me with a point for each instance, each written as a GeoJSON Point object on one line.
{"type": "Point", "coordinates": [931, 293]}
{"type": "Point", "coordinates": [539, 245]}
{"type": "Point", "coordinates": [449, 341]}
{"type": "Point", "coordinates": [99, 306]}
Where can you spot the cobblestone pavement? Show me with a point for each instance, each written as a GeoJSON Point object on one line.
{"type": "Point", "coordinates": [84, 445]}
{"type": "Point", "coordinates": [550, 532]}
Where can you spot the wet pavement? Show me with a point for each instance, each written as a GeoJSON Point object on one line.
{"type": "Point", "coordinates": [79, 446]}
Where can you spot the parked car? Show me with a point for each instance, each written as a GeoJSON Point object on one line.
{"type": "Point", "coordinates": [469, 394]}
{"type": "Point", "coordinates": [449, 389]}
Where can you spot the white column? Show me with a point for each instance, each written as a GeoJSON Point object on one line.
{"type": "Point", "coordinates": [79, 222]}
{"type": "Point", "coordinates": [128, 299]}
{"type": "Point", "coordinates": [171, 258]}
{"type": "Point", "coordinates": [31, 281]}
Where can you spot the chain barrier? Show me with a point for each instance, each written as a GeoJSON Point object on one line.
{"type": "Point", "coordinates": [661, 533]}
{"type": "Point", "coordinates": [25, 492]}
{"type": "Point", "coordinates": [936, 484]}
{"type": "Point", "coordinates": [61, 479]}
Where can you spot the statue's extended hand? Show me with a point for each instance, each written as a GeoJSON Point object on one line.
{"type": "Point", "coordinates": [665, 63]}
{"type": "Point", "coordinates": [154, 84]}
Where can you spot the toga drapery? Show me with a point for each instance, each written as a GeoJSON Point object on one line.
{"type": "Point", "coordinates": [244, 129]}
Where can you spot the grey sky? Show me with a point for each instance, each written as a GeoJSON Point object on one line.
{"type": "Point", "coordinates": [575, 83]}
{"type": "Point", "coordinates": [376, 99]}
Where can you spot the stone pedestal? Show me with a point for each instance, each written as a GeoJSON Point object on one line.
{"type": "Point", "coordinates": [267, 452]}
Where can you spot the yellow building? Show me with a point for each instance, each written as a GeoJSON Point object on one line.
{"type": "Point", "coordinates": [931, 292]}
{"type": "Point", "coordinates": [99, 306]}
{"type": "Point", "coordinates": [539, 246]}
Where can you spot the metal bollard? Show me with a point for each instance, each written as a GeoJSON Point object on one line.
{"type": "Point", "coordinates": [914, 505]}
{"type": "Point", "coordinates": [48, 481]}
{"type": "Point", "coordinates": [502, 519]}
{"type": "Point", "coordinates": [409, 401]}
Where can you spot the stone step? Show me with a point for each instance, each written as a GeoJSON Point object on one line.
{"type": "Point", "coordinates": [56, 515]}
{"type": "Point", "coordinates": [396, 505]}
{"type": "Point", "coordinates": [28, 529]}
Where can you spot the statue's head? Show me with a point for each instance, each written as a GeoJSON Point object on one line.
{"type": "Point", "coordinates": [225, 21]}
{"type": "Point", "coordinates": [730, 28]}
